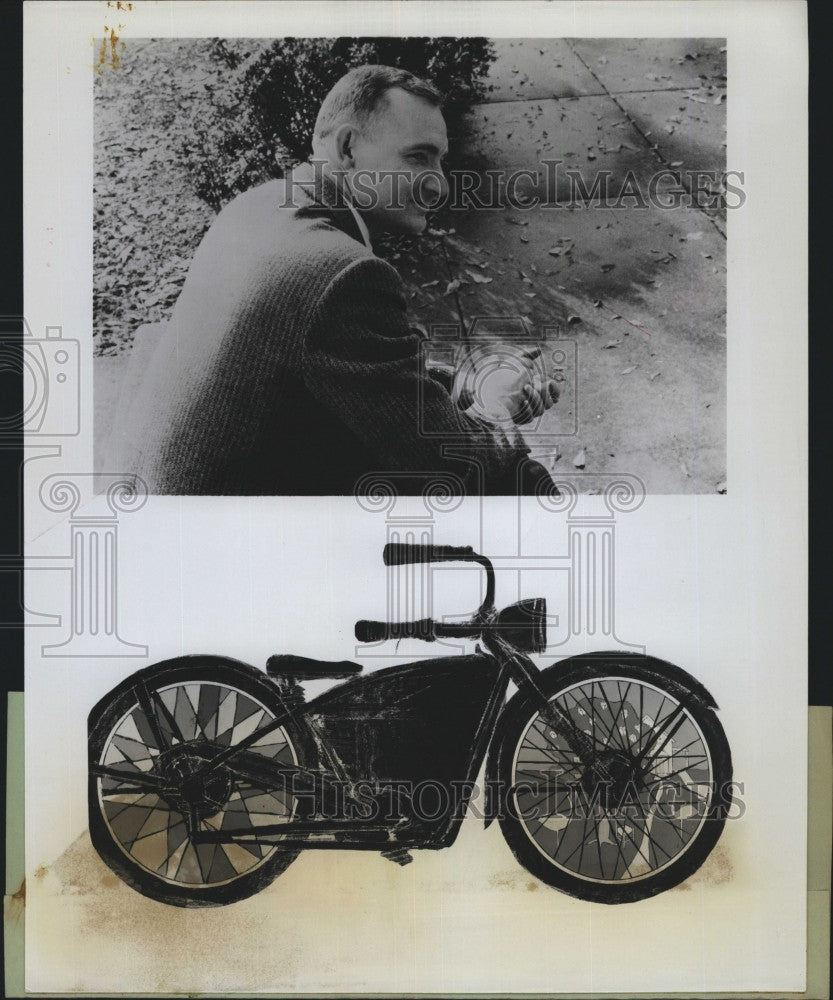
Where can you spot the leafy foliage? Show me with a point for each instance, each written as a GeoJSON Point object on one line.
{"type": "Point", "coordinates": [263, 121]}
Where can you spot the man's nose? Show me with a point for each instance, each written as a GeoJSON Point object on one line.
{"type": "Point", "coordinates": [432, 188]}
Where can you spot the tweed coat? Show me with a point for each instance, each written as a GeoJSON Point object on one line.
{"type": "Point", "coordinates": [288, 367]}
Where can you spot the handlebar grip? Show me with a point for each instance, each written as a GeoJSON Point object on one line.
{"type": "Point", "coordinates": [374, 631]}
{"type": "Point", "coordinates": [400, 553]}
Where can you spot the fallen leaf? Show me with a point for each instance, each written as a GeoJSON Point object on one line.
{"type": "Point", "coordinates": [684, 467]}
{"type": "Point", "coordinates": [627, 371]}
{"type": "Point", "coordinates": [524, 239]}
{"type": "Point", "coordinates": [452, 286]}
{"type": "Point", "coordinates": [574, 319]}
{"type": "Point", "coordinates": [430, 284]}
{"type": "Point", "coordinates": [555, 251]}
{"type": "Point", "coordinates": [677, 163]}
{"type": "Point", "coordinates": [693, 236]}
{"type": "Point", "coordinates": [653, 375]}
{"type": "Point", "coordinates": [580, 460]}
{"type": "Point", "coordinates": [597, 303]}
{"type": "Point", "coordinates": [608, 267]}
{"type": "Point", "coordinates": [610, 344]}
{"type": "Point", "coordinates": [478, 279]}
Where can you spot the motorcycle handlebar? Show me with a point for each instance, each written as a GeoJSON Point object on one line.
{"type": "Point", "coordinates": [375, 631]}
{"type": "Point", "coordinates": [401, 553]}
{"type": "Point", "coordinates": [426, 629]}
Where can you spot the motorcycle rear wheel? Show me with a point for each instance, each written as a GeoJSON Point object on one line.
{"type": "Point", "coordinates": [160, 727]}
{"type": "Point", "coordinates": [641, 819]}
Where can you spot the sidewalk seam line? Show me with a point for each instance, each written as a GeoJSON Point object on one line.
{"type": "Point", "coordinates": [653, 148]}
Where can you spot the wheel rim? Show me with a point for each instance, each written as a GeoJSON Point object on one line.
{"type": "Point", "coordinates": [640, 808]}
{"type": "Point", "coordinates": [158, 748]}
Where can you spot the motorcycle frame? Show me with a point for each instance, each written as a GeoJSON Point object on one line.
{"type": "Point", "coordinates": [359, 834]}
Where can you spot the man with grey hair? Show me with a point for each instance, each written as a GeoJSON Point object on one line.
{"type": "Point", "coordinates": [288, 366]}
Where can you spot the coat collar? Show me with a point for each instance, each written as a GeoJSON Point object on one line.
{"type": "Point", "coordinates": [326, 199]}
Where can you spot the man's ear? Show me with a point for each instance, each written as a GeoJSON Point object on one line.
{"type": "Point", "coordinates": [345, 137]}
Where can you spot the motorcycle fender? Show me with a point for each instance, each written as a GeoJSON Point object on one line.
{"type": "Point", "coordinates": [177, 661]}
{"type": "Point", "coordinates": [681, 684]}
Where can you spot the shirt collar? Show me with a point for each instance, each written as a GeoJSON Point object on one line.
{"type": "Point", "coordinates": [361, 224]}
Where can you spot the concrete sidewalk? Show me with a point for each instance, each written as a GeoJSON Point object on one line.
{"type": "Point", "coordinates": [643, 288]}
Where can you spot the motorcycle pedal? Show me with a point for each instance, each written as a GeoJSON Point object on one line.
{"type": "Point", "coordinates": [400, 856]}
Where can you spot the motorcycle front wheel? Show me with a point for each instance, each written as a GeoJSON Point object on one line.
{"type": "Point", "coordinates": [636, 814]}
{"type": "Point", "coordinates": [157, 731]}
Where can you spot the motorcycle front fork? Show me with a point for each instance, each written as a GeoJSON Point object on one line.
{"type": "Point", "coordinates": [525, 675]}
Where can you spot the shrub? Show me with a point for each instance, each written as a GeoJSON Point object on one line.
{"type": "Point", "coordinates": [262, 123]}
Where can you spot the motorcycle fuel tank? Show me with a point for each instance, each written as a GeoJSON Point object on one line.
{"type": "Point", "coordinates": [415, 724]}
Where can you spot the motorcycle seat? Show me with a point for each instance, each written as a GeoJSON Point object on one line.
{"type": "Point", "coordinates": [305, 668]}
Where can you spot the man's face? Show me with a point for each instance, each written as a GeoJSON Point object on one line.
{"type": "Point", "coordinates": [397, 176]}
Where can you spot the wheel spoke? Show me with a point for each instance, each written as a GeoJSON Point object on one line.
{"type": "Point", "coordinates": [613, 730]}
{"type": "Point", "coordinates": [660, 728]}
{"type": "Point", "coordinates": [632, 828]}
{"type": "Point", "coordinates": [658, 779]}
{"type": "Point", "coordinates": [143, 697]}
{"type": "Point", "coordinates": [142, 779]}
{"type": "Point", "coordinates": [170, 721]}
{"type": "Point", "coordinates": [176, 732]}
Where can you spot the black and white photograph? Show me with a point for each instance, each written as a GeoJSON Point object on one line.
{"type": "Point", "coordinates": [490, 259]}
{"type": "Point", "coordinates": [411, 608]}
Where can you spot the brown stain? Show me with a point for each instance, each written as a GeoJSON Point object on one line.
{"type": "Point", "coordinates": [113, 62]}
{"type": "Point", "coordinates": [171, 937]}
{"type": "Point", "coordinates": [717, 869]}
{"type": "Point", "coordinates": [508, 880]}
{"type": "Point", "coordinates": [531, 886]}
{"type": "Point", "coordinates": [41, 872]}
{"type": "Point", "coordinates": [112, 40]}
{"type": "Point", "coordinates": [16, 903]}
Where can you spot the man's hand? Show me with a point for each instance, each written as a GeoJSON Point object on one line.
{"type": "Point", "coordinates": [503, 384]}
